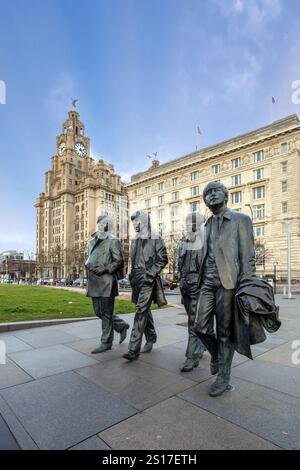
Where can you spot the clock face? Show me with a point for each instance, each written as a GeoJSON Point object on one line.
{"type": "Point", "coordinates": [80, 149]}
{"type": "Point", "coordinates": [61, 148]}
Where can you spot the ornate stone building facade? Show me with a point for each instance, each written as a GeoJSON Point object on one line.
{"type": "Point", "coordinates": [77, 189]}
{"type": "Point", "coordinates": [262, 172]}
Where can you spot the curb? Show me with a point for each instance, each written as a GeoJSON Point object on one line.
{"type": "Point", "coordinates": [22, 325]}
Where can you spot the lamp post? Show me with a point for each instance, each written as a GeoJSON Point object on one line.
{"type": "Point", "coordinates": [275, 275]}
{"type": "Point", "coordinates": [288, 226]}
{"type": "Point", "coordinates": [251, 210]}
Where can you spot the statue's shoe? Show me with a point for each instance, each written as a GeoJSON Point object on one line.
{"type": "Point", "coordinates": [102, 348]}
{"type": "Point", "coordinates": [130, 356]}
{"type": "Point", "coordinates": [219, 387]}
{"type": "Point", "coordinates": [189, 365]}
{"type": "Point", "coordinates": [123, 334]}
{"type": "Point", "coordinates": [148, 347]}
{"type": "Point", "coordinates": [214, 366]}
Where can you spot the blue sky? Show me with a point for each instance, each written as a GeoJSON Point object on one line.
{"type": "Point", "coordinates": [146, 73]}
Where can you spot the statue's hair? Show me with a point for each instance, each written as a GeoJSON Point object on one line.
{"type": "Point", "coordinates": [215, 184]}
{"type": "Point", "coordinates": [144, 216]}
{"type": "Point", "coordinates": [108, 219]}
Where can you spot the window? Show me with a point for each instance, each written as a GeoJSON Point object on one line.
{"type": "Point", "coordinates": [259, 230]}
{"type": "Point", "coordinates": [175, 211]}
{"type": "Point", "coordinates": [194, 206]}
{"type": "Point", "coordinates": [216, 169]}
{"type": "Point", "coordinates": [235, 180]}
{"type": "Point", "coordinates": [258, 174]}
{"type": "Point", "coordinates": [236, 197]}
{"type": "Point", "coordinates": [148, 203]}
{"type": "Point", "coordinates": [258, 156]}
{"type": "Point", "coordinates": [175, 225]}
{"type": "Point", "coordinates": [195, 191]}
{"type": "Point", "coordinates": [161, 200]}
{"type": "Point", "coordinates": [236, 163]}
{"type": "Point", "coordinates": [284, 148]}
{"type": "Point", "coordinates": [161, 186]}
{"type": "Point", "coordinates": [147, 189]}
{"type": "Point", "coordinates": [284, 167]}
{"type": "Point", "coordinates": [161, 228]}
{"type": "Point", "coordinates": [259, 192]}
{"type": "Point", "coordinates": [259, 211]}
{"type": "Point", "coordinates": [175, 181]}
{"type": "Point", "coordinates": [195, 175]}
{"type": "Point", "coordinates": [284, 207]}
{"type": "Point", "coordinates": [135, 193]}
{"type": "Point", "coordinates": [161, 214]}
{"type": "Point", "coordinates": [175, 196]}
{"type": "Point", "coordinates": [284, 186]}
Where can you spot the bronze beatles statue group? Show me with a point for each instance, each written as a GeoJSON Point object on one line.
{"type": "Point", "coordinates": [211, 259]}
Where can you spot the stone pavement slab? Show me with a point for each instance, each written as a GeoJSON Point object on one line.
{"type": "Point", "coordinates": [43, 337]}
{"type": "Point", "coordinates": [14, 344]}
{"type": "Point", "coordinates": [85, 346]}
{"type": "Point", "coordinates": [139, 383]}
{"type": "Point", "coordinates": [11, 374]}
{"type": "Point", "coordinates": [281, 355]}
{"type": "Point", "coordinates": [179, 425]}
{"type": "Point", "coordinates": [270, 414]}
{"type": "Point", "coordinates": [63, 410]}
{"type": "Point", "coordinates": [171, 359]}
{"type": "Point", "coordinates": [93, 443]}
{"type": "Point", "coordinates": [52, 360]}
{"type": "Point", "coordinates": [7, 440]}
{"type": "Point", "coordinates": [282, 378]}
{"type": "Point", "coordinates": [22, 437]}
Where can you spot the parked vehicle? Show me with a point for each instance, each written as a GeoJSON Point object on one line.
{"type": "Point", "coordinates": [124, 283]}
{"type": "Point", "coordinates": [166, 283]}
{"type": "Point", "coordinates": [52, 282]}
{"type": "Point", "coordinates": [65, 282]}
{"type": "Point", "coordinates": [79, 282]}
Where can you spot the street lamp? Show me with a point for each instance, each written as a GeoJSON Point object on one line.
{"type": "Point", "coordinates": [275, 275]}
{"type": "Point", "coordinates": [250, 207]}
{"type": "Point", "coordinates": [288, 226]}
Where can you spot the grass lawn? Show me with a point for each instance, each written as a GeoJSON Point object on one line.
{"type": "Point", "coordinates": [22, 303]}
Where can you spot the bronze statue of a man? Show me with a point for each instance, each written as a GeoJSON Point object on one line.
{"type": "Point", "coordinates": [104, 265]}
{"type": "Point", "coordinates": [148, 258]}
{"type": "Point", "coordinates": [190, 254]}
{"type": "Point", "coordinates": [229, 253]}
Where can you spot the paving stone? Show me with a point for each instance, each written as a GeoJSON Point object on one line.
{"type": "Point", "coordinates": [7, 440]}
{"type": "Point", "coordinates": [282, 378]}
{"type": "Point", "coordinates": [43, 337]}
{"type": "Point", "coordinates": [282, 355]}
{"type": "Point", "coordinates": [11, 374]}
{"type": "Point", "coordinates": [176, 424]}
{"type": "Point", "coordinates": [14, 344]}
{"type": "Point", "coordinates": [268, 413]}
{"type": "Point", "coordinates": [21, 436]}
{"type": "Point", "coordinates": [85, 346]}
{"type": "Point", "coordinates": [138, 383]}
{"type": "Point", "coordinates": [171, 359]}
{"type": "Point", "coordinates": [62, 410]}
{"type": "Point", "coordinates": [93, 443]}
{"type": "Point", "coordinates": [52, 360]}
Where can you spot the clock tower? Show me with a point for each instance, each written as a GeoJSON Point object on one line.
{"type": "Point", "coordinates": [77, 189]}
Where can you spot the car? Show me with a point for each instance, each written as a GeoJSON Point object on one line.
{"type": "Point", "coordinates": [52, 282]}
{"type": "Point", "coordinates": [166, 283]}
{"type": "Point", "coordinates": [65, 282]}
{"type": "Point", "coordinates": [124, 283]}
{"type": "Point", "coordinates": [174, 284]}
{"type": "Point", "coordinates": [80, 282]}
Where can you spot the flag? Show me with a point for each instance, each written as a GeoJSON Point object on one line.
{"type": "Point", "coordinates": [273, 100]}
{"type": "Point", "coordinates": [199, 130]}
{"type": "Point", "coordinates": [150, 156]}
